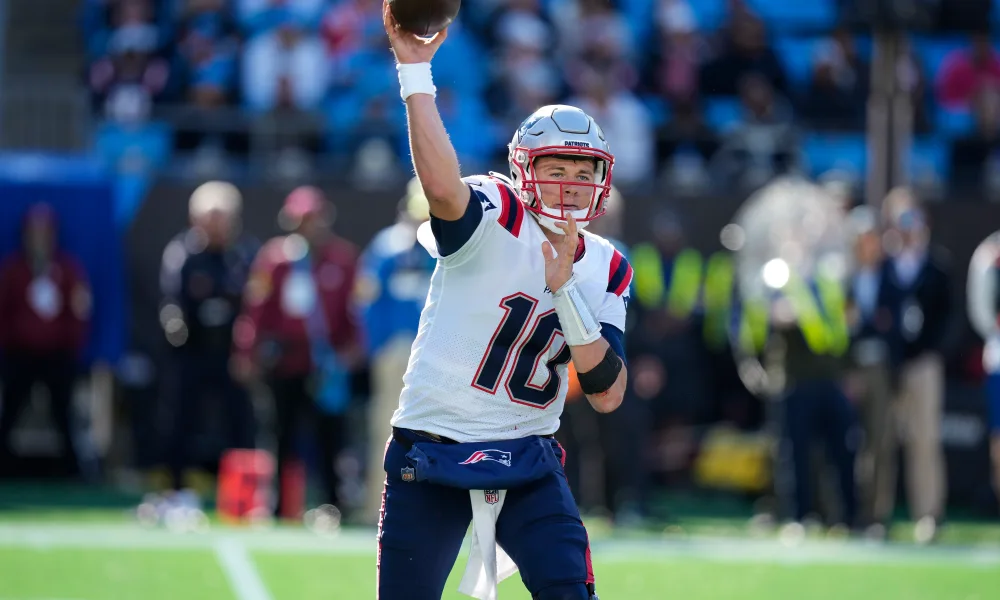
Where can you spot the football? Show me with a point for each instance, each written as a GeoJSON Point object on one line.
{"type": "Point", "coordinates": [424, 17]}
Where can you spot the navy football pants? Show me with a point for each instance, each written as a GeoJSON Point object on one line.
{"type": "Point", "coordinates": [423, 525]}
{"type": "Point", "coordinates": [821, 407]}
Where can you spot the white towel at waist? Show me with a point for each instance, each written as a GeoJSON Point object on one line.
{"type": "Point", "coordinates": [488, 563]}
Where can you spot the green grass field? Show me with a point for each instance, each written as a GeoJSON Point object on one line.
{"type": "Point", "coordinates": [89, 556]}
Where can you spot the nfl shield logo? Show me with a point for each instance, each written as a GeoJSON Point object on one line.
{"type": "Point", "coordinates": [407, 474]}
{"type": "Point", "coordinates": [492, 496]}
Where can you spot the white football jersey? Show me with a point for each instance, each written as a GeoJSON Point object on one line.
{"type": "Point", "coordinates": [489, 361]}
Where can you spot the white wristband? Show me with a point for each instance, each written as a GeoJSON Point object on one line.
{"type": "Point", "coordinates": [578, 321]}
{"type": "Point", "coordinates": [415, 79]}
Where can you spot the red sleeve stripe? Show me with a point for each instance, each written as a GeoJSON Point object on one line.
{"type": "Point", "coordinates": [619, 274]}
{"type": "Point", "coordinates": [504, 207]}
{"type": "Point", "coordinates": [511, 211]}
{"type": "Point", "coordinates": [625, 282]}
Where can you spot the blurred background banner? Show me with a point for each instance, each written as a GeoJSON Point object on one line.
{"type": "Point", "coordinates": [81, 190]}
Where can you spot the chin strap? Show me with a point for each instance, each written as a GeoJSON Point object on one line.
{"type": "Point", "coordinates": [549, 222]}
{"type": "Point", "coordinates": [546, 222]}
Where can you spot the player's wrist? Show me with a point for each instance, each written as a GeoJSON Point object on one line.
{"type": "Point", "coordinates": [576, 318]}
{"type": "Point", "coordinates": [415, 78]}
{"type": "Point", "coordinates": [558, 284]}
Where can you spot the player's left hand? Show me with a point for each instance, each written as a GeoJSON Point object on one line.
{"type": "Point", "coordinates": [559, 256]}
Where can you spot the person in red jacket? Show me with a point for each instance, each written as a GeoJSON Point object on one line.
{"type": "Point", "coordinates": [297, 332]}
{"type": "Point", "coordinates": [44, 316]}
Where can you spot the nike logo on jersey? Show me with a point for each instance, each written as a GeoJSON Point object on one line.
{"type": "Point", "coordinates": [495, 455]}
{"type": "Point", "coordinates": [547, 290]}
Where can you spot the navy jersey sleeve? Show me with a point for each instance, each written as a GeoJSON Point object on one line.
{"type": "Point", "coordinates": [452, 235]}
{"type": "Point", "coordinates": [616, 339]}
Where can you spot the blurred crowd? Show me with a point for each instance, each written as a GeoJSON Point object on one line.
{"type": "Point", "coordinates": [318, 331]}
{"type": "Point", "coordinates": [701, 93]}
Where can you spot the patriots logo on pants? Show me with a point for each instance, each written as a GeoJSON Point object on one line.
{"type": "Point", "coordinates": [491, 496]}
{"type": "Point", "coordinates": [495, 455]}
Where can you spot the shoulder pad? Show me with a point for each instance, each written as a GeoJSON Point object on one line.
{"type": "Point", "coordinates": [499, 201]}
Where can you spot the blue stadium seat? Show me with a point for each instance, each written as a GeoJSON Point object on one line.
{"type": "Point", "coordinates": [709, 14]}
{"type": "Point", "coordinates": [933, 51]}
{"type": "Point", "coordinates": [838, 151]}
{"type": "Point", "coordinates": [659, 110]}
{"type": "Point", "coordinates": [136, 149]}
{"type": "Point", "coordinates": [135, 154]}
{"type": "Point", "coordinates": [866, 46]}
{"type": "Point", "coordinates": [954, 122]}
{"type": "Point", "coordinates": [636, 14]}
{"type": "Point", "coordinates": [723, 113]}
{"type": "Point", "coordinates": [797, 55]}
{"type": "Point", "coordinates": [929, 160]}
{"type": "Point", "coordinates": [451, 62]}
{"type": "Point", "coordinates": [780, 15]}
{"type": "Point", "coordinates": [783, 15]}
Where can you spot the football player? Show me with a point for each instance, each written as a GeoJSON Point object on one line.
{"type": "Point", "coordinates": [519, 290]}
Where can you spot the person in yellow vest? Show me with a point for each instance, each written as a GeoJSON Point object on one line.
{"type": "Point", "coordinates": [668, 349]}
{"type": "Point", "coordinates": [717, 299]}
{"type": "Point", "coordinates": [668, 274]}
{"type": "Point", "coordinates": [732, 403]}
{"type": "Point", "coordinates": [686, 284]}
{"type": "Point", "coordinates": [684, 295]}
{"type": "Point", "coordinates": [807, 321]}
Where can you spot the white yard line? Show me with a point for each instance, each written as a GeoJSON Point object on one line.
{"type": "Point", "coordinates": [362, 542]}
{"type": "Point", "coordinates": [46, 536]}
{"type": "Point", "coordinates": [240, 570]}
{"type": "Point", "coordinates": [811, 552]}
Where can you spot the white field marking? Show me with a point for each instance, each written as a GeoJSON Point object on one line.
{"type": "Point", "coordinates": [739, 550]}
{"type": "Point", "coordinates": [96, 536]}
{"type": "Point", "coordinates": [363, 542]}
{"type": "Point", "coordinates": [240, 570]}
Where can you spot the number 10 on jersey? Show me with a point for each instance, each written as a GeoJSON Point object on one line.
{"type": "Point", "coordinates": [537, 337]}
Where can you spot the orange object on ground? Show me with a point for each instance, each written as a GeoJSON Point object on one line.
{"type": "Point", "coordinates": [244, 490]}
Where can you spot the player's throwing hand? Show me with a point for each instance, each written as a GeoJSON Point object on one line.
{"type": "Point", "coordinates": [410, 48]}
{"type": "Point", "coordinates": [559, 264]}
